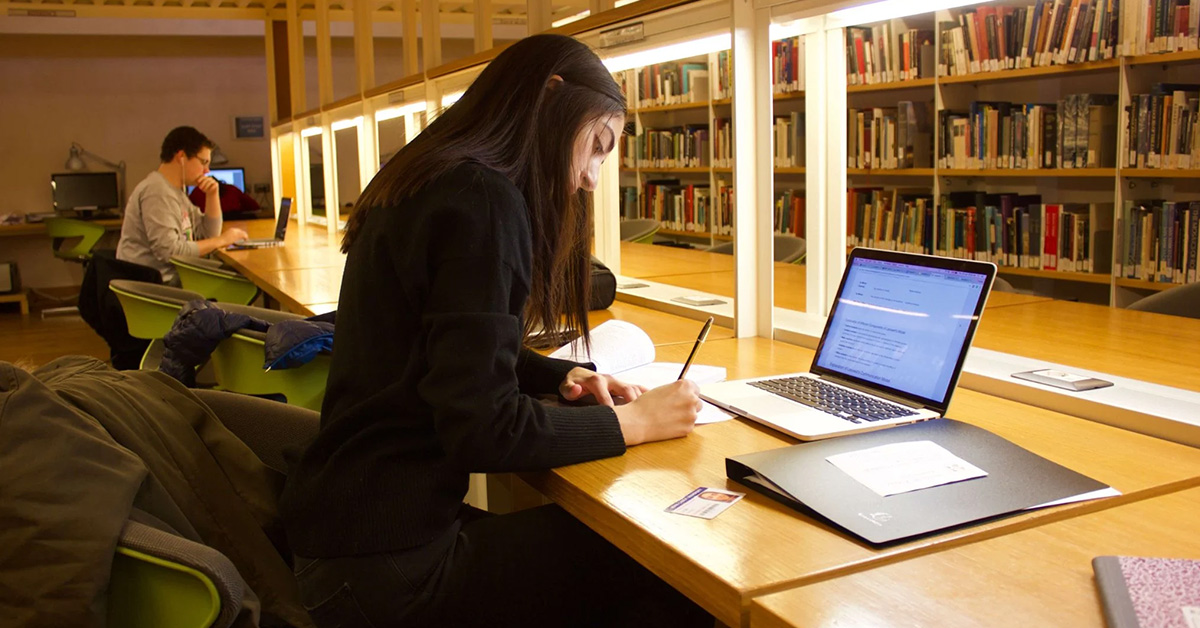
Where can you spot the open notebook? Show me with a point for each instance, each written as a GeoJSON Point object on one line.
{"type": "Point", "coordinates": [623, 350]}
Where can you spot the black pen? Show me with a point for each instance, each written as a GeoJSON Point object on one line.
{"type": "Point", "coordinates": [696, 347]}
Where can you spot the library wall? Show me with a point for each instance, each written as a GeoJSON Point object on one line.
{"type": "Point", "coordinates": [117, 96]}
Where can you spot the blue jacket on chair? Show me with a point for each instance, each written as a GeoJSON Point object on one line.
{"type": "Point", "coordinates": [202, 325]}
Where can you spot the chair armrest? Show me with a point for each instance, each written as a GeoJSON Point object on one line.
{"type": "Point", "coordinates": [163, 580]}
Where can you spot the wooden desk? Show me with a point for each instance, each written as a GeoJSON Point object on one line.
{"type": "Point", "coordinates": [790, 282]}
{"type": "Point", "coordinates": [647, 261]}
{"type": "Point", "coordinates": [1139, 345]}
{"type": "Point", "coordinates": [310, 246]}
{"type": "Point", "coordinates": [39, 228]}
{"type": "Point", "coordinates": [759, 545]}
{"type": "Point", "coordinates": [1037, 577]}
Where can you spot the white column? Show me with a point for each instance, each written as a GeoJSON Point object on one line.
{"type": "Point", "coordinates": [408, 17]}
{"type": "Point", "coordinates": [753, 258]}
{"type": "Point", "coordinates": [364, 45]}
{"type": "Point", "coordinates": [324, 54]}
{"type": "Point", "coordinates": [483, 25]}
{"type": "Point", "coordinates": [431, 34]}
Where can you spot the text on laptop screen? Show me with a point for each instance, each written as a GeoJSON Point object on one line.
{"type": "Point", "coordinates": [901, 326]}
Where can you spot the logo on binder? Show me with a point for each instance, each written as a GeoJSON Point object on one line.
{"type": "Point", "coordinates": [877, 518]}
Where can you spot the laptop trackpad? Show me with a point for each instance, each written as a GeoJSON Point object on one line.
{"type": "Point", "coordinates": [771, 408]}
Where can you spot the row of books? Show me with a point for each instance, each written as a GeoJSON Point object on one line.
{"type": "Point", "coordinates": [787, 65]}
{"type": "Point", "coordinates": [789, 215]}
{"type": "Point", "coordinates": [890, 137]}
{"type": "Point", "coordinates": [1077, 132]}
{"type": "Point", "coordinates": [1051, 32]}
{"type": "Point", "coordinates": [1022, 231]}
{"type": "Point", "coordinates": [1159, 241]}
{"type": "Point", "coordinates": [1162, 127]}
{"type": "Point", "coordinates": [672, 83]}
{"type": "Point", "coordinates": [1011, 230]}
{"type": "Point", "coordinates": [684, 146]}
{"type": "Point", "coordinates": [1157, 26]}
{"type": "Point", "coordinates": [896, 219]}
{"type": "Point", "coordinates": [877, 55]}
{"type": "Point", "coordinates": [681, 207]}
{"type": "Point", "coordinates": [789, 140]}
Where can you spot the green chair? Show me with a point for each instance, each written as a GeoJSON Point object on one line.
{"type": "Point", "coordinates": [214, 282]}
{"type": "Point", "coordinates": [157, 585]}
{"type": "Point", "coordinates": [73, 240]}
{"type": "Point", "coordinates": [161, 580]}
{"type": "Point", "coordinates": [640, 230]}
{"type": "Point", "coordinates": [238, 365]}
{"type": "Point", "coordinates": [150, 311]}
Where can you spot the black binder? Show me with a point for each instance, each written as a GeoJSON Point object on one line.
{"type": "Point", "coordinates": [1016, 479]}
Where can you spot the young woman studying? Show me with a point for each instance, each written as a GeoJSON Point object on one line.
{"type": "Point", "coordinates": [470, 237]}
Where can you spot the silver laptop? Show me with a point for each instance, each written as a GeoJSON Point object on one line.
{"type": "Point", "coordinates": [281, 224]}
{"type": "Point", "coordinates": [891, 352]}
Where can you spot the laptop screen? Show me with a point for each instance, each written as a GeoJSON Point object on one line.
{"type": "Point", "coordinates": [285, 208]}
{"type": "Point", "coordinates": [903, 323]}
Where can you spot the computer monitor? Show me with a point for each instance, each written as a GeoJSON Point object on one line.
{"type": "Point", "coordinates": [85, 191]}
{"type": "Point", "coordinates": [229, 176]}
{"type": "Point", "coordinates": [233, 176]}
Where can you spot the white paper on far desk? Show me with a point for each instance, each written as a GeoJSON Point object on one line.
{"type": "Point", "coordinates": [904, 467]}
{"type": "Point", "coordinates": [622, 349]}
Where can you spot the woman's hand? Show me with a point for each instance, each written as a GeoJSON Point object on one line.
{"type": "Point", "coordinates": [606, 389]}
{"type": "Point", "coordinates": [665, 412]}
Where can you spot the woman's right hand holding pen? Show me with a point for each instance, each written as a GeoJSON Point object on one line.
{"type": "Point", "coordinates": [660, 414]}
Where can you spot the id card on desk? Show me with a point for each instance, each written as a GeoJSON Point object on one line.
{"type": "Point", "coordinates": [705, 502]}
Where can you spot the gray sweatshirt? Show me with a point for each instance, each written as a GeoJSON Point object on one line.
{"type": "Point", "coordinates": [161, 222]}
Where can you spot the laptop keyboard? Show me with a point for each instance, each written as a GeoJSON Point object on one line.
{"type": "Point", "coordinates": [840, 402]}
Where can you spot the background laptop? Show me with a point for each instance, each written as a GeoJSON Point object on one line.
{"type": "Point", "coordinates": [281, 224]}
{"type": "Point", "coordinates": [891, 352]}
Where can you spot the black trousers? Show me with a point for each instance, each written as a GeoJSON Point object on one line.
{"type": "Point", "coordinates": [533, 568]}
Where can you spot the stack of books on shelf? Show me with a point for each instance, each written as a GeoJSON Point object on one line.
{"type": "Point", "coordinates": [677, 206]}
{"type": "Point", "coordinates": [789, 140]}
{"type": "Point", "coordinates": [1158, 241]}
{"type": "Point", "coordinates": [676, 147]}
{"type": "Point", "coordinates": [1162, 127]}
{"type": "Point", "coordinates": [722, 139]}
{"type": "Point", "coordinates": [1051, 32]}
{"type": "Point", "coordinates": [877, 55]}
{"type": "Point", "coordinates": [890, 137]}
{"type": "Point", "coordinates": [1157, 26]}
{"type": "Point", "coordinates": [672, 83]}
{"type": "Point", "coordinates": [723, 208]}
{"type": "Point", "coordinates": [789, 212]}
{"type": "Point", "coordinates": [787, 65]}
{"type": "Point", "coordinates": [1077, 132]}
{"type": "Point", "coordinates": [724, 86]}
{"type": "Point", "coordinates": [1023, 232]}
{"type": "Point", "coordinates": [897, 219]}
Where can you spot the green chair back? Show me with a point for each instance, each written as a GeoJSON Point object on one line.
{"type": "Point", "coordinates": [62, 230]}
{"type": "Point", "coordinates": [238, 364]}
{"type": "Point", "coordinates": [215, 284]}
{"type": "Point", "coordinates": [146, 317]}
{"type": "Point", "coordinates": [151, 592]}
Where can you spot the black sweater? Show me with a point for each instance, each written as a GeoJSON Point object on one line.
{"type": "Point", "coordinates": [429, 380]}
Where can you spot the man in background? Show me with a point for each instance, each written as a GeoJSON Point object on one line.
{"type": "Point", "coordinates": [161, 222]}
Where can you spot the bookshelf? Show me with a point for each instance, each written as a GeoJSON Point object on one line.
{"type": "Point", "coordinates": [1098, 190]}
{"type": "Point", "coordinates": [675, 166]}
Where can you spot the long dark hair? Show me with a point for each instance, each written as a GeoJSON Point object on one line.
{"type": "Point", "coordinates": [513, 121]}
